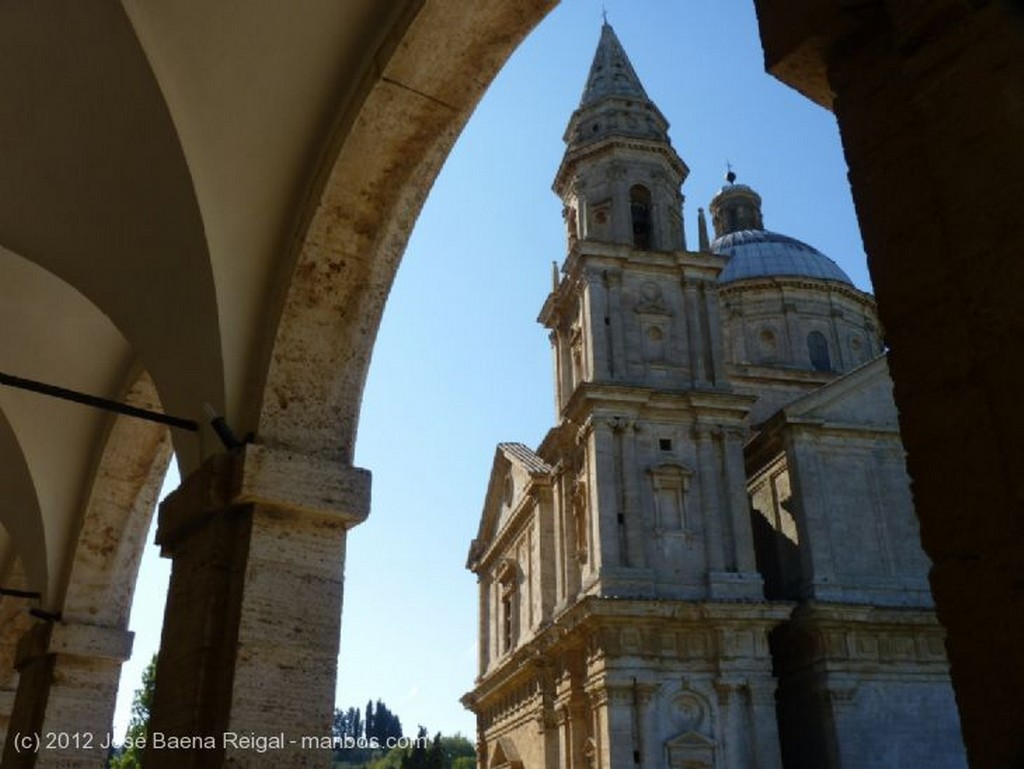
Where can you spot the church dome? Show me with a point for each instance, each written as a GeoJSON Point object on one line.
{"type": "Point", "coordinates": [761, 253]}
{"type": "Point", "coordinates": [755, 252]}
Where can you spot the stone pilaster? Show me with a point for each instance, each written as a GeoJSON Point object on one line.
{"type": "Point", "coordinates": [617, 362]}
{"type": "Point", "coordinates": [596, 309]}
{"type": "Point", "coordinates": [730, 706]}
{"type": "Point", "coordinates": [764, 728]}
{"type": "Point", "coordinates": [739, 507]}
{"type": "Point", "coordinates": [67, 685]}
{"type": "Point", "coordinates": [604, 497]}
{"type": "Point", "coordinates": [715, 343]}
{"type": "Point", "coordinates": [694, 337]}
{"type": "Point", "coordinates": [250, 636]}
{"type": "Point", "coordinates": [709, 500]}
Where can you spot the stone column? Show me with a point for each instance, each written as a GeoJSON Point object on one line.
{"type": "Point", "coordinates": [67, 685]}
{"type": "Point", "coordinates": [250, 637]}
{"type": "Point", "coordinates": [930, 105]}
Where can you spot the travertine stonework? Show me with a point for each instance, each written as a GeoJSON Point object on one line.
{"type": "Point", "coordinates": [712, 560]}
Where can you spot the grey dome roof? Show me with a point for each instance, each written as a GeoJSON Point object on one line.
{"type": "Point", "coordinates": [760, 253]}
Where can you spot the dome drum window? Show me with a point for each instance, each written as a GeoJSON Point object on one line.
{"type": "Point", "coordinates": [818, 352]}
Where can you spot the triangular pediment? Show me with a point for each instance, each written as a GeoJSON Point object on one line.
{"type": "Point", "coordinates": [514, 471]}
{"type": "Point", "coordinates": [505, 755]}
{"type": "Point", "coordinates": [861, 397]}
{"type": "Point", "coordinates": [690, 740]}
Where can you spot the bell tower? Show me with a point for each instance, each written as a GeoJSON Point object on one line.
{"type": "Point", "coordinates": [620, 178]}
{"type": "Point", "coordinates": [650, 425]}
{"type": "Point", "coordinates": [616, 563]}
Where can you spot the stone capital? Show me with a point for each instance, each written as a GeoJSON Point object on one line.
{"type": "Point", "coordinates": [729, 687]}
{"type": "Point", "coordinates": [268, 477]}
{"type": "Point", "coordinates": [75, 640]}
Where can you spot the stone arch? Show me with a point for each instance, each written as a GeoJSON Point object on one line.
{"type": "Point", "coordinates": [76, 657]}
{"type": "Point", "coordinates": [118, 512]}
{"type": "Point", "coordinates": [357, 227]}
{"type": "Point", "coordinates": [20, 515]}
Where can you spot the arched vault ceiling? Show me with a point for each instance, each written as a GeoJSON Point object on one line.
{"type": "Point", "coordinates": [52, 333]}
{"type": "Point", "coordinates": [95, 188]}
{"type": "Point", "coordinates": [232, 183]}
{"type": "Point", "coordinates": [254, 89]}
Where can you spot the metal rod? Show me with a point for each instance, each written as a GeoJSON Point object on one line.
{"type": "Point", "coordinates": [46, 616]}
{"type": "Point", "coordinates": [97, 402]}
{"type": "Point", "coordinates": [19, 593]}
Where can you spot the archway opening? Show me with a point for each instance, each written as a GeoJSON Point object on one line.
{"type": "Point", "coordinates": [459, 362]}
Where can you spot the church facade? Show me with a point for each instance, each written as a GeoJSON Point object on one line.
{"type": "Point", "coordinates": [712, 560]}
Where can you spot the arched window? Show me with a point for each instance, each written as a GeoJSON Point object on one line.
{"type": "Point", "coordinates": [640, 211]}
{"type": "Point", "coordinates": [817, 349]}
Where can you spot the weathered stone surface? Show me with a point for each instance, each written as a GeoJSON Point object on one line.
{"type": "Point", "coordinates": [68, 675]}
{"type": "Point", "coordinates": [250, 638]}
{"type": "Point", "coordinates": [930, 107]}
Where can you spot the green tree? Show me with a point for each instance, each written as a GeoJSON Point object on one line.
{"type": "Point", "coordinates": [381, 724]}
{"type": "Point", "coordinates": [138, 726]}
{"type": "Point", "coordinates": [417, 757]}
{"type": "Point", "coordinates": [391, 760]}
{"type": "Point", "coordinates": [436, 756]}
{"type": "Point", "coordinates": [459, 752]}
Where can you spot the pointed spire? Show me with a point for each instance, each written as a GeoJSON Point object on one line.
{"type": "Point", "coordinates": [611, 73]}
{"type": "Point", "coordinates": [702, 231]}
{"type": "Point", "coordinates": [618, 127]}
{"type": "Point", "coordinates": [614, 104]}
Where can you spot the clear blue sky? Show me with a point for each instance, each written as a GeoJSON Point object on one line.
{"type": "Point", "coordinates": [460, 363]}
